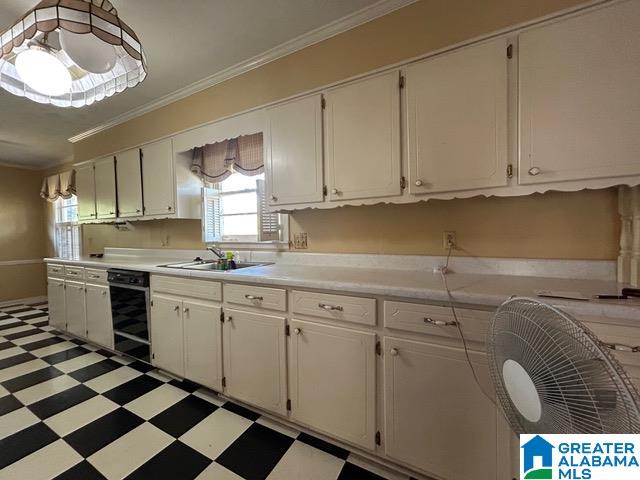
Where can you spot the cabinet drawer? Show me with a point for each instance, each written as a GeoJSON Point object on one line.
{"type": "Point", "coordinates": [261, 297]}
{"type": "Point", "coordinates": [187, 287]}
{"type": "Point", "coordinates": [55, 270]}
{"type": "Point", "coordinates": [436, 320]}
{"type": "Point", "coordinates": [336, 307]}
{"type": "Point", "coordinates": [93, 275]}
{"type": "Point", "coordinates": [74, 272]}
{"type": "Point", "coordinates": [620, 335]}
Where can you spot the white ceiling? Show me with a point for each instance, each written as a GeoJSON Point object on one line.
{"type": "Point", "coordinates": [185, 41]}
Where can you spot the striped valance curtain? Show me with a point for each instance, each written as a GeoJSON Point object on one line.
{"type": "Point", "coordinates": [216, 161]}
{"type": "Point", "coordinates": [59, 185]}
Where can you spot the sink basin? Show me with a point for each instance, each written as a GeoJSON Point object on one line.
{"type": "Point", "coordinates": [209, 265]}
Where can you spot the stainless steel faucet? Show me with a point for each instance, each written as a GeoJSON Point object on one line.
{"type": "Point", "coordinates": [216, 251]}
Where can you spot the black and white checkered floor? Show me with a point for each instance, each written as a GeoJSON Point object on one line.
{"type": "Point", "coordinates": [69, 410]}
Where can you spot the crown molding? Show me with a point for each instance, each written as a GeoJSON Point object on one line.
{"type": "Point", "coordinates": [312, 37]}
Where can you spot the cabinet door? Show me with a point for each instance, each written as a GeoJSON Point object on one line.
{"type": "Point", "coordinates": [254, 359]}
{"type": "Point", "coordinates": [55, 294]}
{"type": "Point", "coordinates": [158, 178]}
{"type": "Point", "coordinates": [579, 96]}
{"type": "Point", "coordinates": [434, 410]}
{"type": "Point", "coordinates": [363, 138]}
{"type": "Point", "coordinates": [203, 343]}
{"type": "Point", "coordinates": [457, 119]}
{"type": "Point", "coordinates": [332, 379]}
{"type": "Point", "coordinates": [75, 308]}
{"type": "Point", "coordinates": [294, 152]}
{"type": "Point", "coordinates": [105, 175]}
{"type": "Point", "coordinates": [167, 334]}
{"type": "Point", "coordinates": [99, 323]}
{"type": "Point", "coordinates": [86, 192]}
{"type": "Point", "coordinates": [129, 181]}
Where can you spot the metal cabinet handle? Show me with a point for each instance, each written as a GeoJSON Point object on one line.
{"type": "Point", "coordinates": [439, 323]}
{"type": "Point", "coordinates": [229, 319]}
{"type": "Point", "coordinates": [186, 310]}
{"type": "Point", "coordinates": [274, 198]}
{"type": "Point", "coordinates": [176, 308]}
{"type": "Point", "coordinates": [169, 208]}
{"type": "Point", "coordinates": [533, 171]}
{"type": "Point", "coordinates": [619, 347]}
{"type": "Point", "coordinates": [137, 210]}
{"type": "Point", "coordinates": [253, 297]}
{"type": "Point", "coordinates": [418, 183]}
{"type": "Point", "coordinates": [112, 213]}
{"type": "Point", "coordinates": [330, 307]}
{"type": "Point", "coordinates": [335, 191]}
{"type": "Point", "coordinates": [394, 352]}
{"type": "Point", "coordinates": [104, 293]}
{"type": "Point", "coordinates": [297, 331]}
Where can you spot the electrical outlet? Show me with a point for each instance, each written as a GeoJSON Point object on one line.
{"type": "Point", "coordinates": [300, 241]}
{"type": "Point", "coordinates": [449, 240]}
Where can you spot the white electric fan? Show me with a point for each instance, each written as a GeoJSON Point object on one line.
{"type": "Point", "coordinates": [553, 375]}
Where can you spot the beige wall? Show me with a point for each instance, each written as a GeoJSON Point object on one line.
{"type": "Point", "coordinates": [22, 233]}
{"type": "Point", "coordinates": [554, 225]}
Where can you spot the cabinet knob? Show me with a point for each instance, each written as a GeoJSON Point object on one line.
{"type": "Point", "coordinates": [335, 191]}
{"type": "Point", "coordinates": [274, 198]}
{"type": "Point", "coordinates": [137, 211]}
{"type": "Point", "coordinates": [111, 213]}
{"type": "Point", "coordinates": [297, 331]}
{"type": "Point", "coordinates": [176, 308]}
{"type": "Point", "coordinates": [104, 293]}
{"type": "Point", "coordinates": [186, 310]}
{"type": "Point", "coordinates": [394, 352]}
{"type": "Point", "coordinates": [229, 318]}
{"type": "Point", "coordinates": [533, 171]}
{"type": "Point", "coordinates": [169, 208]}
{"type": "Point", "coordinates": [418, 183]}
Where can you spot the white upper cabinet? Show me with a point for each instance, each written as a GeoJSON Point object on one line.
{"type": "Point", "coordinates": [579, 96]}
{"type": "Point", "coordinates": [158, 178]}
{"type": "Point", "coordinates": [105, 178]}
{"type": "Point", "coordinates": [129, 180]}
{"type": "Point", "coordinates": [363, 138]}
{"type": "Point", "coordinates": [86, 192]}
{"type": "Point", "coordinates": [294, 152]}
{"type": "Point", "coordinates": [457, 119]}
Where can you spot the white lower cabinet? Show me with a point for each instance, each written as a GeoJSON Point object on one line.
{"type": "Point", "coordinates": [55, 293]}
{"type": "Point", "coordinates": [255, 359]}
{"type": "Point", "coordinates": [167, 333]}
{"type": "Point", "coordinates": [98, 312]}
{"type": "Point", "coordinates": [436, 417]}
{"type": "Point", "coordinates": [332, 381]}
{"type": "Point", "coordinates": [203, 343]}
{"type": "Point", "coordinates": [75, 308]}
{"type": "Point", "coordinates": [186, 338]}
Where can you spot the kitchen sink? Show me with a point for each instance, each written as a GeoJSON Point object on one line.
{"type": "Point", "coordinates": [210, 265]}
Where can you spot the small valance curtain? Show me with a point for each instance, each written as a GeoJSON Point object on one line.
{"type": "Point", "coordinates": [216, 161]}
{"type": "Point", "coordinates": [59, 185]}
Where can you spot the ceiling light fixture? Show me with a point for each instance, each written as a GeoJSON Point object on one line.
{"type": "Point", "coordinates": [70, 53]}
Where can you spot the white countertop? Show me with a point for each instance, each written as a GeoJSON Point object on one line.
{"type": "Point", "coordinates": [486, 290]}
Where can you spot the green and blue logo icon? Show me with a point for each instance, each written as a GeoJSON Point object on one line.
{"type": "Point", "coordinates": [537, 459]}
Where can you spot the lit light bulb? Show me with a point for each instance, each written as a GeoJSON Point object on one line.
{"type": "Point", "coordinates": [43, 72]}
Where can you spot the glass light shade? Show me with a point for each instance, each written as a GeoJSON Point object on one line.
{"type": "Point", "coordinates": [88, 51]}
{"type": "Point", "coordinates": [105, 56]}
{"type": "Point", "coordinates": [43, 72]}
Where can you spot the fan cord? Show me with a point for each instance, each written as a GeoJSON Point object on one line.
{"type": "Point", "coordinates": [443, 273]}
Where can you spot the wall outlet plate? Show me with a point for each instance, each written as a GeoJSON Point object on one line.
{"type": "Point", "coordinates": [449, 240]}
{"type": "Point", "coordinates": [300, 241]}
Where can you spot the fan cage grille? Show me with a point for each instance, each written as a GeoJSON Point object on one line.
{"type": "Point", "coordinates": [581, 386]}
